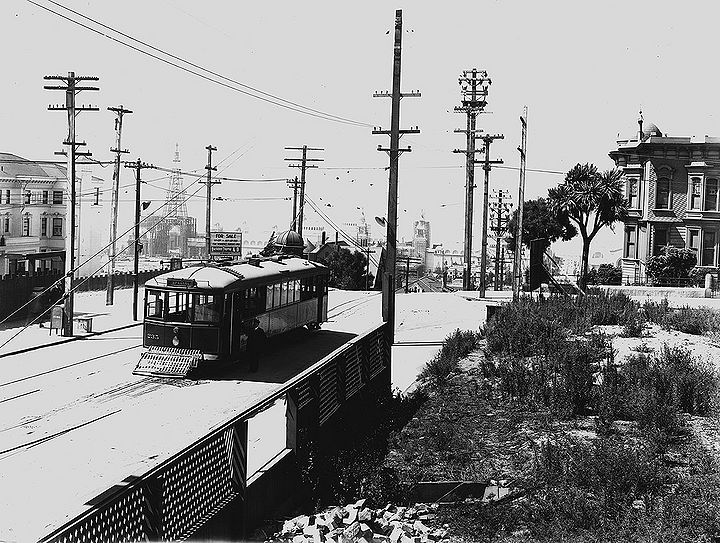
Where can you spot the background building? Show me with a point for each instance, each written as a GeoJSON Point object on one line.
{"type": "Point", "coordinates": [33, 208]}
{"type": "Point", "coordinates": [671, 185]}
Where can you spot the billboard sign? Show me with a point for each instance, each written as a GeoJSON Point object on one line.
{"type": "Point", "coordinates": [225, 244]}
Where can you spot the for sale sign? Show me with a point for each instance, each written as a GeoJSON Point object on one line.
{"type": "Point", "coordinates": [225, 244]}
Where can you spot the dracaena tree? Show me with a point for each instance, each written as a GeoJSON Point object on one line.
{"type": "Point", "coordinates": [592, 200]}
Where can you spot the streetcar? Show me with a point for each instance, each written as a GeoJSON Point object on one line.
{"type": "Point", "coordinates": [204, 312]}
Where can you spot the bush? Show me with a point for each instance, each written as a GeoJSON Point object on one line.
{"type": "Point", "coordinates": [689, 320]}
{"type": "Point", "coordinates": [672, 262]}
{"type": "Point", "coordinates": [605, 274]}
{"type": "Point", "coordinates": [655, 390]}
{"type": "Point", "coordinates": [455, 347]}
{"type": "Point", "coordinates": [656, 312]}
{"type": "Point", "coordinates": [698, 274]}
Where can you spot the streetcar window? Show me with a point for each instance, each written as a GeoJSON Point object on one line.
{"type": "Point", "coordinates": [306, 288]}
{"type": "Point", "coordinates": [277, 289]}
{"type": "Point", "coordinates": [154, 304]}
{"type": "Point", "coordinates": [206, 308]}
{"type": "Point", "coordinates": [177, 307]}
{"type": "Point", "coordinates": [295, 289]}
{"type": "Point", "coordinates": [283, 293]}
{"type": "Point", "coordinates": [269, 297]}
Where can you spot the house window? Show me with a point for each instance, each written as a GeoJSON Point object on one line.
{"type": "Point", "coordinates": [7, 196]}
{"type": "Point", "coordinates": [630, 242]}
{"type": "Point", "coordinates": [695, 193]}
{"type": "Point", "coordinates": [28, 194]}
{"type": "Point", "coordinates": [26, 225]}
{"type": "Point", "coordinates": [662, 196]}
{"type": "Point", "coordinates": [711, 195]}
{"type": "Point", "coordinates": [660, 240]}
{"type": "Point", "coordinates": [694, 239]}
{"type": "Point", "coordinates": [633, 201]}
{"type": "Point", "coordinates": [44, 197]}
{"type": "Point", "coordinates": [57, 227]}
{"type": "Point", "coordinates": [43, 226]}
{"type": "Point", "coordinates": [6, 224]}
{"type": "Point", "coordinates": [57, 197]}
{"type": "Point", "coordinates": [708, 249]}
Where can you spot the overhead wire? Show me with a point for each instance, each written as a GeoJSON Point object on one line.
{"type": "Point", "coordinates": [254, 93]}
{"type": "Point", "coordinates": [197, 180]}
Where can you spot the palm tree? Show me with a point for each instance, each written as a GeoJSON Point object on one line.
{"type": "Point", "coordinates": [592, 200]}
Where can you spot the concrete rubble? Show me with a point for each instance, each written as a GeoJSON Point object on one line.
{"type": "Point", "coordinates": [356, 523]}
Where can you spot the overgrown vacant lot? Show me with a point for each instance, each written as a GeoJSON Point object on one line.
{"type": "Point", "coordinates": [599, 412]}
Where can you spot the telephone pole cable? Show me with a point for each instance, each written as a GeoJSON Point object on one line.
{"type": "Point", "coordinates": [474, 89]}
{"type": "Point", "coordinates": [500, 214]}
{"type": "Point", "coordinates": [295, 185]}
{"type": "Point", "coordinates": [119, 111]}
{"type": "Point", "coordinates": [137, 166]}
{"type": "Point", "coordinates": [71, 88]}
{"type": "Point", "coordinates": [487, 166]}
{"type": "Point", "coordinates": [208, 204]}
{"type": "Point", "coordinates": [388, 282]}
{"type": "Point", "coordinates": [303, 165]}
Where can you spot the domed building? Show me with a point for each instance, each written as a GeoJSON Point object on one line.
{"type": "Point", "coordinates": [289, 243]}
{"type": "Point", "coordinates": [672, 186]}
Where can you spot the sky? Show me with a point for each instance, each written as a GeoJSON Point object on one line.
{"type": "Point", "coordinates": [583, 69]}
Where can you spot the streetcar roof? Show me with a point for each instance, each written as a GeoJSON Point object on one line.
{"type": "Point", "coordinates": [221, 277]}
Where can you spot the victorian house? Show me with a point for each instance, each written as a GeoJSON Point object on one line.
{"type": "Point", "coordinates": [671, 185]}
{"type": "Point", "coordinates": [33, 222]}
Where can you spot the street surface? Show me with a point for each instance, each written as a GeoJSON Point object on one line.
{"type": "Point", "coordinates": [74, 421]}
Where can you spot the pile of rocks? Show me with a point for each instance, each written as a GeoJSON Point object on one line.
{"type": "Point", "coordinates": [356, 523]}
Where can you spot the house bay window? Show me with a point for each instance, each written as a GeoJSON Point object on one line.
{"type": "Point", "coordinates": [662, 193]}
{"type": "Point", "coordinates": [632, 192]}
{"type": "Point", "coordinates": [711, 195]}
{"type": "Point", "coordinates": [708, 249]}
{"type": "Point", "coordinates": [695, 193]}
{"type": "Point", "coordinates": [630, 242]}
{"type": "Point", "coordinates": [660, 240]}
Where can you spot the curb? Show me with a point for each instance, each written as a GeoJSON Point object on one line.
{"type": "Point", "coordinates": [68, 340]}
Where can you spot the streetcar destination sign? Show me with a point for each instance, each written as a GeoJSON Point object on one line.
{"type": "Point", "coordinates": [226, 244]}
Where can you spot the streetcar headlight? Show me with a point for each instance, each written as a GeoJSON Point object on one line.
{"type": "Point", "coordinates": [175, 341]}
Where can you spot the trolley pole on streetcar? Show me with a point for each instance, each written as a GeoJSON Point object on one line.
{"type": "Point", "coordinates": [137, 166]}
{"type": "Point", "coordinates": [295, 185]}
{"type": "Point", "coordinates": [208, 204]}
{"type": "Point", "coordinates": [119, 111]}
{"type": "Point", "coordinates": [71, 89]}
{"type": "Point", "coordinates": [388, 282]}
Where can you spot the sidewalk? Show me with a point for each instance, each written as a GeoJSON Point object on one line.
{"type": "Point", "coordinates": [87, 304]}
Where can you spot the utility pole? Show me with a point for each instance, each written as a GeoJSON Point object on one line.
{"type": "Point", "coordinates": [71, 89]}
{"type": "Point", "coordinates": [137, 166]}
{"type": "Point", "coordinates": [500, 214]}
{"type": "Point", "coordinates": [388, 283]}
{"type": "Point", "coordinates": [303, 166]}
{"type": "Point", "coordinates": [407, 273]}
{"type": "Point", "coordinates": [295, 185]}
{"type": "Point", "coordinates": [474, 89]}
{"type": "Point", "coordinates": [487, 140]}
{"type": "Point", "coordinates": [208, 203]}
{"type": "Point", "coordinates": [119, 111]}
{"type": "Point", "coordinates": [367, 274]}
{"type": "Point", "coordinates": [517, 261]}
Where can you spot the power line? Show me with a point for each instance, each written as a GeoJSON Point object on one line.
{"type": "Point", "coordinates": [277, 101]}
